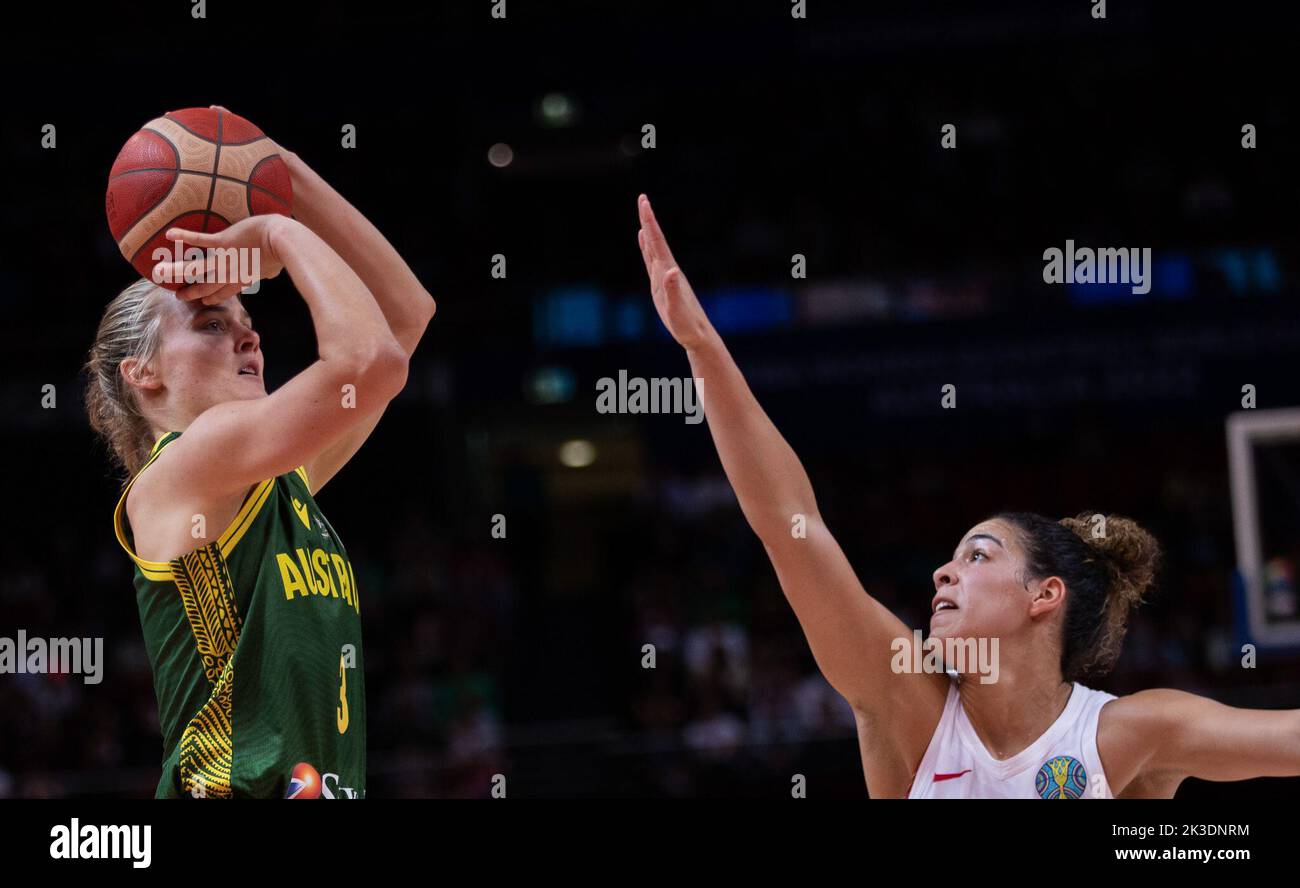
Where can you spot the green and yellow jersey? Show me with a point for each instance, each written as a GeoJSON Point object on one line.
{"type": "Point", "coordinates": [255, 644]}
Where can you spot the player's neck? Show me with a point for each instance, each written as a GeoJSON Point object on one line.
{"type": "Point", "coordinates": [1013, 712]}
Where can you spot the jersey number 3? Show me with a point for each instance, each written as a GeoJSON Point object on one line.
{"type": "Point", "coordinates": [342, 712]}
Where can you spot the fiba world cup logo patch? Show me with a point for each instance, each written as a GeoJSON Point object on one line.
{"type": "Point", "coordinates": [1061, 777]}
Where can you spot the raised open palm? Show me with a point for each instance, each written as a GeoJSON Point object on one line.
{"type": "Point", "coordinates": [673, 297]}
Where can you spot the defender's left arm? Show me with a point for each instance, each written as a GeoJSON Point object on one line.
{"type": "Point", "coordinates": [405, 304]}
{"type": "Point", "coordinates": [1184, 735]}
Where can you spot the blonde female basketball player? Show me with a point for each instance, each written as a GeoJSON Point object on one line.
{"type": "Point", "coordinates": [249, 604]}
{"type": "Point", "coordinates": [1056, 599]}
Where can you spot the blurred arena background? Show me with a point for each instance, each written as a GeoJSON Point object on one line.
{"type": "Point", "coordinates": [774, 137]}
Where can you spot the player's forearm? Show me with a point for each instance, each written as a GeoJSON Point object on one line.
{"type": "Point", "coordinates": [1267, 745]}
{"type": "Point", "coordinates": [764, 471]}
{"type": "Point", "coordinates": [405, 304]}
{"type": "Point", "coordinates": [351, 331]}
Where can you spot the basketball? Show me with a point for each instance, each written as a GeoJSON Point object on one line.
{"type": "Point", "coordinates": [203, 169]}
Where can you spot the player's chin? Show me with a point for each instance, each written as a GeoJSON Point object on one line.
{"type": "Point", "coordinates": [944, 624]}
{"type": "Point", "coordinates": [248, 389]}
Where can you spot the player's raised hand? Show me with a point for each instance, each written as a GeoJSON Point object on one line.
{"type": "Point", "coordinates": [673, 297]}
{"type": "Point", "coordinates": [220, 274]}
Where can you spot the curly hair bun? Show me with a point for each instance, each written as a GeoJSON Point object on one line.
{"type": "Point", "coordinates": [1132, 556]}
{"type": "Point", "coordinates": [1133, 553]}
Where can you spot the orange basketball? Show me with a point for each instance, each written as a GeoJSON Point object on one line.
{"type": "Point", "coordinates": [197, 168]}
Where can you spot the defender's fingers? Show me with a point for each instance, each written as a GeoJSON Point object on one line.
{"type": "Point", "coordinates": [673, 283]}
{"type": "Point", "coordinates": [645, 256]}
{"type": "Point", "coordinates": [654, 234]}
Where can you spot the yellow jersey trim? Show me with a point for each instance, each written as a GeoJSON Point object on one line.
{"type": "Point", "coordinates": [302, 473]}
{"type": "Point", "coordinates": [234, 532]}
{"type": "Point", "coordinates": [244, 518]}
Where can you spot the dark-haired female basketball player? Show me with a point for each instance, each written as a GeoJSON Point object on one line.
{"type": "Point", "coordinates": [1056, 599]}
{"type": "Point", "coordinates": [249, 604]}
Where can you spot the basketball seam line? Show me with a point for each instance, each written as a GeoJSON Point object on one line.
{"type": "Point", "coordinates": [248, 195]}
{"type": "Point", "coordinates": [169, 224]}
{"type": "Point", "coordinates": [262, 188]}
{"type": "Point", "coordinates": [216, 165]}
{"type": "Point", "coordinates": [176, 152]}
{"type": "Point", "coordinates": [203, 137]}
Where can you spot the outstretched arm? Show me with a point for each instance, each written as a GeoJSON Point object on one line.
{"type": "Point", "coordinates": [849, 631]}
{"type": "Point", "coordinates": [1167, 735]}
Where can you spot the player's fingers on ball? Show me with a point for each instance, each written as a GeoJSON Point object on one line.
{"type": "Point", "coordinates": [198, 238]}
{"type": "Point", "coordinates": [215, 297]}
{"type": "Point", "coordinates": [217, 293]}
{"type": "Point", "coordinates": [168, 271]}
{"type": "Point", "coordinates": [196, 271]}
{"type": "Point", "coordinates": [192, 293]}
{"type": "Point", "coordinates": [221, 295]}
{"type": "Point", "coordinates": [203, 287]}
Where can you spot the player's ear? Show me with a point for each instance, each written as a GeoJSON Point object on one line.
{"type": "Point", "coordinates": [140, 374]}
{"type": "Point", "coordinates": [1048, 595]}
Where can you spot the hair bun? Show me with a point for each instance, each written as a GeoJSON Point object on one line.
{"type": "Point", "coordinates": [1132, 554]}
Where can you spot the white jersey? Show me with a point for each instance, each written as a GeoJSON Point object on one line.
{"type": "Point", "coordinates": [1061, 764]}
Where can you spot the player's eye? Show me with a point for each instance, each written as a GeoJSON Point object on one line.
{"type": "Point", "coordinates": [980, 553]}
{"type": "Point", "coordinates": [212, 324]}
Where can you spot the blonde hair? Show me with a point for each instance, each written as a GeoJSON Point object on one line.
{"type": "Point", "coordinates": [130, 328]}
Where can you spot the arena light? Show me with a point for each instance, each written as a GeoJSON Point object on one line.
{"type": "Point", "coordinates": [577, 454]}
{"type": "Point", "coordinates": [550, 385]}
{"type": "Point", "coordinates": [557, 110]}
{"type": "Point", "coordinates": [500, 155]}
